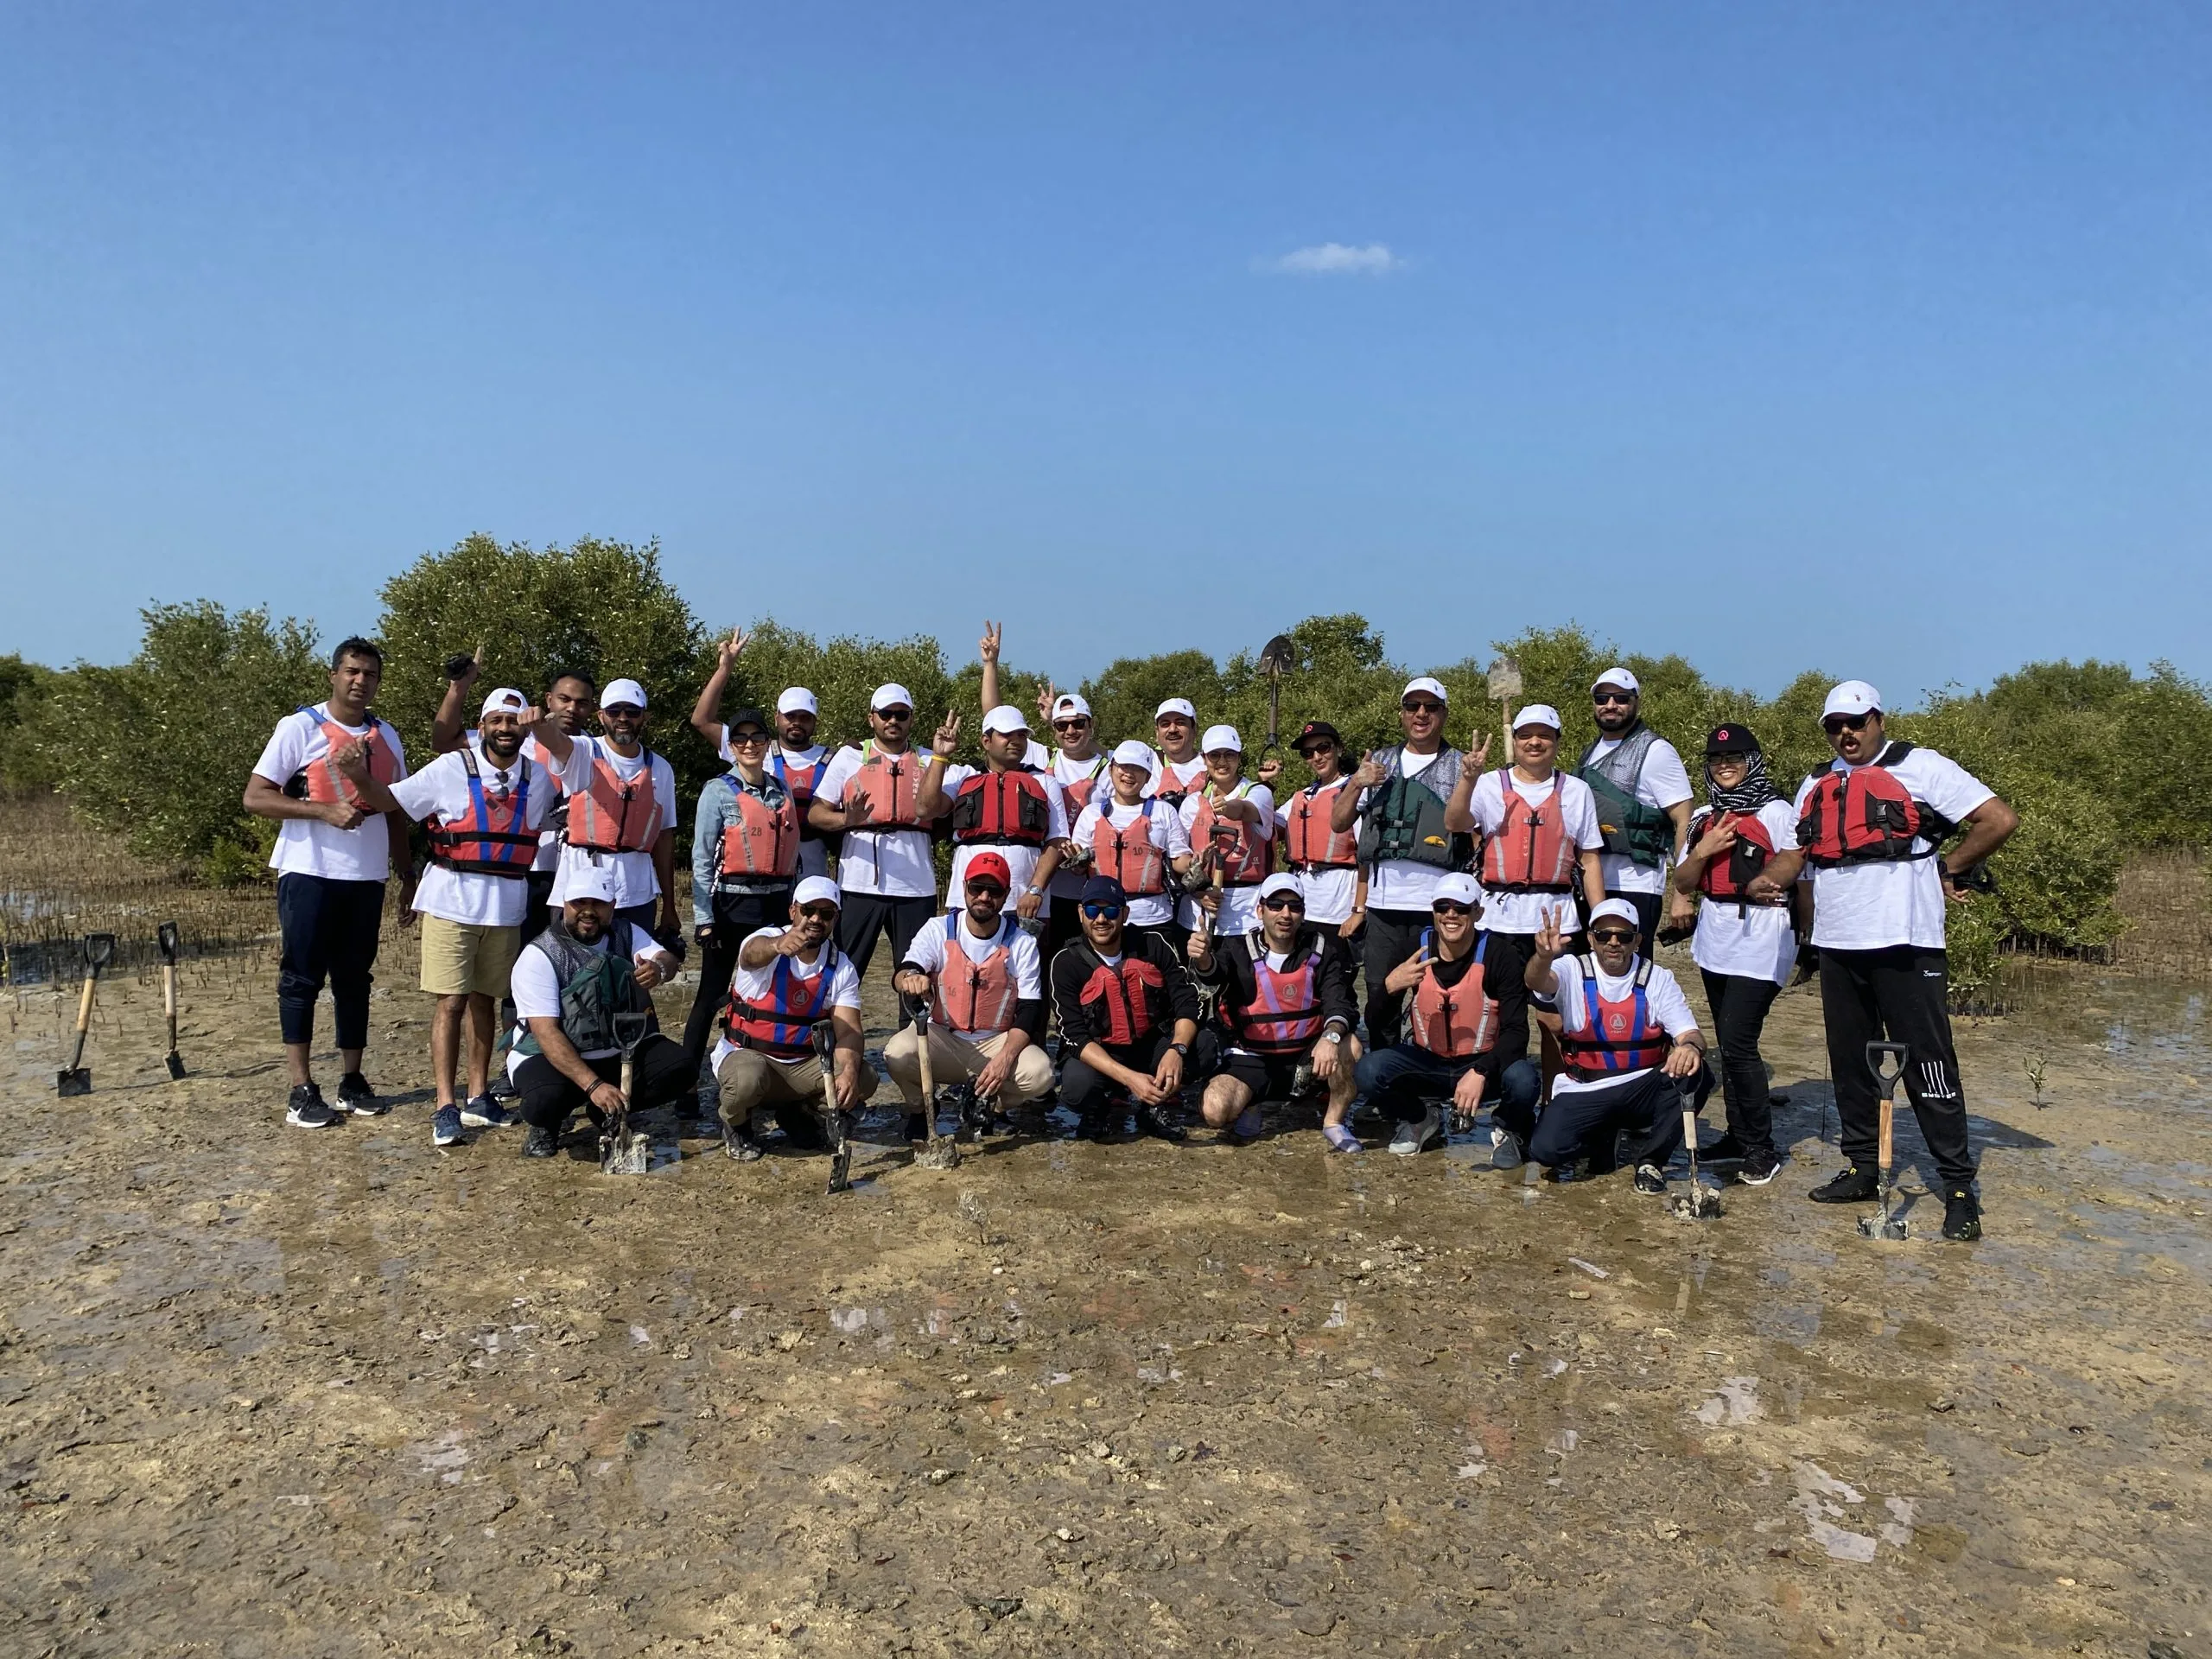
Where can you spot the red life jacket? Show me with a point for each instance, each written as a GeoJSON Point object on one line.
{"type": "Point", "coordinates": [1308, 843]}
{"type": "Point", "coordinates": [975, 995]}
{"type": "Point", "coordinates": [1078, 794]}
{"type": "Point", "coordinates": [889, 781]}
{"type": "Point", "coordinates": [801, 782]}
{"type": "Point", "coordinates": [1129, 854]}
{"type": "Point", "coordinates": [489, 838]}
{"type": "Point", "coordinates": [1176, 793]}
{"type": "Point", "coordinates": [1865, 815]}
{"type": "Point", "coordinates": [1617, 1037]}
{"type": "Point", "coordinates": [1456, 1023]}
{"type": "Point", "coordinates": [1726, 878]}
{"type": "Point", "coordinates": [1531, 851]}
{"type": "Point", "coordinates": [1126, 995]}
{"type": "Point", "coordinates": [1284, 1016]}
{"type": "Point", "coordinates": [1242, 856]}
{"type": "Point", "coordinates": [1002, 808]}
{"type": "Point", "coordinates": [781, 1023]}
{"type": "Point", "coordinates": [324, 782]}
{"type": "Point", "coordinates": [762, 840]}
{"type": "Point", "coordinates": [611, 815]}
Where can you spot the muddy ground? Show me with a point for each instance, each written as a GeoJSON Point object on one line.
{"type": "Point", "coordinates": [265, 1392]}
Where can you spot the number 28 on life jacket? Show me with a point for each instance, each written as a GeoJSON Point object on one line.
{"type": "Point", "coordinates": [975, 995]}
{"type": "Point", "coordinates": [611, 815]}
{"type": "Point", "coordinates": [1129, 854]}
{"type": "Point", "coordinates": [490, 838]}
{"type": "Point", "coordinates": [759, 840]}
{"type": "Point", "coordinates": [1308, 843]}
{"type": "Point", "coordinates": [1727, 876]}
{"type": "Point", "coordinates": [1284, 1016]}
{"type": "Point", "coordinates": [781, 1021]}
{"type": "Point", "coordinates": [321, 778]}
{"type": "Point", "coordinates": [1531, 851]}
{"type": "Point", "coordinates": [1456, 1023]}
{"type": "Point", "coordinates": [1002, 808]}
{"type": "Point", "coordinates": [1241, 854]}
{"type": "Point", "coordinates": [1865, 816]}
{"type": "Point", "coordinates": [1618, 1035]}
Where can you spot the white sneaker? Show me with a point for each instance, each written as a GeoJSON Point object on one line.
{"type": "Point", "coordinates": [1419, 1135]}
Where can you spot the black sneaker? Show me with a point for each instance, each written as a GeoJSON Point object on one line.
{"type": "Point", "coordinates": [1726, 1150]}
{"type": "Point", "coordinates": [739, 1145]}
{"type": "Point", "coordinates": [1759, 1168]}
{"type": "Point", "coordinates": [1505, 1151]}
{"type": "Point", "coordinates": [305, 1110]}
{"type": "Point", "coordinates": [1961, 1214]}
{"type": "Point", "coordinates": [540, 1142]}
{"type": "Point", "coordinates": [1152, 1123]}
{"type": "Point", "coordinates": [1649, 1179]}
{"type": "Point", "coordinates": [1853, 1185]}
{"type": "Point", "coordinates": [357, 1097]}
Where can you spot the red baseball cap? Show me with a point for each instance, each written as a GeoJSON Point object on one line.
{"type": "Point", "coordinates": [990, 866]}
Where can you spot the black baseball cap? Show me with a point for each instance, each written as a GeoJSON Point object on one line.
{"type": "Point", "coordinates": [1313, 730]}
{"type": "Point", "coordinates": [1731, 740]}
{"type": "Point", "coordinates": [750, 717]}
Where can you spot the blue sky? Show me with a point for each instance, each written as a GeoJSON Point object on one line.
{"type": "Point", "coordinates": [1870, 336]}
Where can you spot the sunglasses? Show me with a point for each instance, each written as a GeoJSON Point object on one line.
{"type": "Point", "coordinates": [1610, 935]}
{"type": "Point", "coordinates": [1282, 901]}
{"type": "Point", "coordinates": [748, 737]}
{"type": "Point", "coordinates": [1422, 706]}
{"type": "Point", "coordinates": [1451, 907]}
{"type": "Point", "coordinates": [1074, 725]}
{"type": "Point", "coordinates": [819, 913]}
{"type": "Point", "coordinates": [1098, 912]}
{"type": "Point", "coordinates": [1601, 698]}
{"type": "Point", "coordinates": [985, 888]}
{"type": "Point", "coordinates": [895, 714]}
{"type": "Point", "coordinates": [1309, 756]}
{"type": "Point", "coordinates": [1835, 723]}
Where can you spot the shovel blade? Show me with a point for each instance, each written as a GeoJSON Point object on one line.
{"type": "Point", "coordinates": [940, 1152]}
{"type": "Point", "coordinates": [174, 1061]}
{"type": "Point", "coordinates": [1880, 1226]}
{"type": "Point", "coordinates": [840, 1170]}
{"type": "Point", "coordinates": [1701, 1205]}
{"type": "Point", "coordinates": [629, 1153]}
{"type": "Point", "coordinates": [74, 1081]}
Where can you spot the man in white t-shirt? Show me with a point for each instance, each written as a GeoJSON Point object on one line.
{"type": "Point", "coordinates": [1871, 827]}
{"type": "Point", "coordinates": [886, 875]}
{"type": "Point", "coordinates": [1630, 1042]}
{"type": "Point", "coordinates": [622, 815]}
{"type": "Point", "coordinates": [1323, 859]}
{"type": "Point", "coordinates": [797, 761]}
{"type": "Point", "coordinates": [1078, 766]}
{"type": "Point", "coordinates": [1137, 840]}
{"type": "Point", "coordinates": [1008, 806]}
{"type": "Point", "coordinates": [1231, 821]}
{"type": "Point", "coordinates": [331, 857]}
{"type": "Point", "coordinates": [486, 802]}
{"type": "Point", "coordinates": [1182, 768]}
{"type": "Point", "coordinates": [1643, 792]}
{"type": "Point", "coordinates": [789, 980]}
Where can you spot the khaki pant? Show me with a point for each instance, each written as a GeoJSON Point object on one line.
{"type": "Point", "coordinates": [750, 1080]}
{"type": "Point", "coordinates": [461, 958]}
{"type": "Point", "coordinates": [955, 1059]}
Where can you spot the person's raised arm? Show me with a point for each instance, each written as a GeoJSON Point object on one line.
{"type": "Point", "coordinates": [449, 726]}
{"type": "Point", "coordinates": [988, 649]}
{"type": "Point", "coordinates": [551, 741]}
{"type": "Point", "coordinates": [353, 759]}
{"type": "Point", "coordinates": [1539, 976]}
{"type": "Point", "coordinates": [1459, 810]}
{"type": "Point", "coordinates": [929, 789]}
{"type": "Point", "coordinates": [707, 713]}
{"type": "Point", "coordinates": [1344, 808]}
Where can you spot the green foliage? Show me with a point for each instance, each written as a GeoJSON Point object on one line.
{"type": "Point", "coordinates": [843, 673]}
{"type": "Point", "coordinates": [25, 689]}
{"type": "Point", "coordinates": [1123, 697]}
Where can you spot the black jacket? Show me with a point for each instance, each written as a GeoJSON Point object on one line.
{"type": "Point", "coordinates": [1082, 1022]}
{"type": "Point", "coordinates": [1232, 973]}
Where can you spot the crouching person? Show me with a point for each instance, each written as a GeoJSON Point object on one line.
{"type": "Point", "coordinates": [1451, 1046]}
{"type": "Point", "coordinates": [1286, 999]}
{"type": "Point", "coordinates": [1128, 1021]}
{"type": "Point", "coordinates": [1628, 1038]}
{"type": "Point", "coordinates": [983, 974]}
{"type": "Point", "coordinates": [789, 980]}
{"type": "Point", "coordinates": [569, 983]}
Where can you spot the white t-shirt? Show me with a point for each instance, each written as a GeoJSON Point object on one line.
{"type": "Point", "coordinates": [1662, 783]}
{"type": "Point", "coordinates": [1524, 913]}
{"type": "Point", "coordinates": [752, 983]}
{"type": "Point", "coordinates": [1240, 906]}
{"type": "Point", "coordinates": [549, 840]}
{"type": "Point", "coordinates": [1068, 879]}
{"type": "Point", "coordinates": [1020, 861]}
{"type": "Point", "coordinates": [1025, 963]}
{"type": "Point", "coordinates": [1153, 910]}
{"type": "Point", "coordinates": [309, 846]}
{"type": "Point", "coordinates": [886, 864]}
{"type": "Point", "coordinates": [1329, 894]}
{"type": "Point", "coordinates": [1758, 943]}
{"type": "Point", "coordinates": [1404, 883]}
{"type": "Point", "coordinates": [1873, 906]}
{"type": "Point", "coordinates": [536, 987]}
{"type": "Point", "coordinates": [813, 856]}
{"type": "Point", "coordinates": [636, 882]}
{"type": "Point", "coordinates": [1662, 993]}
{"type": "Point", "coordinates": [441, 790]}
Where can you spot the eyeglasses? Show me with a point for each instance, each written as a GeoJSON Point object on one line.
{"type": "Point", "coordinates": [1835, 723]}
{"type": "Point", "coordinates": [1610, 935]}
{"type": "Point", "coordinates": [1282, 901]}
{"type": "Point", "coordinates": [1309, 756]}
{"type": "Point", "coordinates": [1601, 698]}
{"type": "Point", "coordinates": [1422, 706]}
{"type": "Point", "coordinates": [1451, 907]}
{"type": "Point", "coordinates": [1095, 912]}
{"type": "Point", "coordinates": [895, 714]}
{"type": "Point", "coordinates": [818, 912]}
{"type": "Point", "coordinates": [985, 888]}
{"type": "Point", "coordinates": [1074, 725]}
{"type": "Point", "coordinates": [748, 737]}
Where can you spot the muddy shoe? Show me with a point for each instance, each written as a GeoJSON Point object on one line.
{"type": "Point", "coordinates": [1505, 1150]}
{"type": "Point", "coordinates": [1246, 1129]}
{"type": "Point", "coordinates": [1962, 1215]}
{"type": "Point", "coordinates": [1726, 1150]}
{"type": "Point", "coordinates": [482, 1112]}
{"type": "Point", "coordinates": [1419, 1135]}
{"type": "Point", "coordinates": [445, 1125]}
{"type": "Point", "coordinates": [1853, 1186]}
{"type": "Point", "coordinates": [305, 1110]}
{"type": "Point", "coordinates": [540, 1142]}
{"type": "Point", "coordinates": [1759, 1168]}
{"type": "Point", "coordinates": [357, 1097]}
{"type": "Point", "coordinates": [1152, 1123]}
{"type": "Point", "coordinates": [738, 1145]}
{"type": "Point", "coordinates": [1650, 1179]}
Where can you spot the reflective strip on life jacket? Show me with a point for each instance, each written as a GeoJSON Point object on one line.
{"type": "Point", "coordinates": [610, 815]}
{"type": "Point", "coordinates": [1618, 1036]}
{"type": "Point", "coordinates": [1727, 876]}
{"type": "Point", "coordinates": [325, 783]}
{"type": "Point", "coordinates": [1129, 854]}
{"type": "Point", "coordinates": [1308, 841]}
{"type": "Point", "coordinates": [1284, 1015]}
{"type": "Point", "coordinates": [1865, 816]}
{"type": "Point", "coordinates": [1242, 855]}
{"type": "Point", "coordinates": [1531, 851]}
{"type": "Point", "coordinates": [763, 840]}
{"type": "Point", "coordinates": [489, 839]}
{"type": "Point", "coordinates": [1458, 1021]}
{"type": "Point", "coordinates": [888, 783]}
{"type": "Point", "coordinates": [1126, 997]}
{"type": "Point", "coordinates": [1002, 808]}
{"type": "Point", "coordinates": [782, 1022]}
{"type": "Point", "coordinates": [975, 995]}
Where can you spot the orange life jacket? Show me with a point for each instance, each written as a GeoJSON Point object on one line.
{"type": "Point", "coordinates": [762, 840]}
{"type": "Point", "coordinates": [781, 1023]}
{"type": "Point", "coordinates": [975, 995]}
{"type": "Point", "coordinates": [889, 782]}
{"type": "Point", "coordinates": [1456, 1023]}
{"type": "Point", "coordinates": [1171, 792]}
{"type": "Point", "coordinates": [1865, 815]}
{"type": "Point", "coordinates": [611, 815]}
{"type": "Point", "coordinates": [1126, 995]}
{"type": "Point", "coordinates": [1618, 1035]}
{"type": "Point", "coordinates": [322, 779]}
{"type": "Point", "coordinates": [1002, 808]}
{"type": "Point", "coordinates": [1078, 794]}
{"type": "Point", "coordinates": [1241, 854]}
{"type": "Point", "coordinates": [1727, 877]}
{"type": "Point", "coordinates": [1129, 854]}
{"type": "Point", "coordinates": [1284, 1016]}
{"type": "Point", "coordinates": [490, 837]}
{"type": "Point", "coordinates": [1308, 843]}
{"type": "Point", "coordinates": [1531, 851]}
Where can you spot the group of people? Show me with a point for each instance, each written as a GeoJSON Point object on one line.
{"type": "Point", "coordinates": [1153, 908]}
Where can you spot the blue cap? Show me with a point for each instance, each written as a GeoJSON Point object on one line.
{"type": "Point", "coordinates": [1103, 890]}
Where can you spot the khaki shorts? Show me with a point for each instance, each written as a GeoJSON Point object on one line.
{"type": "Point", "coordinates": [461, 958]}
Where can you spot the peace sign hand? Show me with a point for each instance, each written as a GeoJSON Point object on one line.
{"type": "Point", "coordinates": [731, 647]}
{"type": "Point", "coordinates": [988, 647]}
{"type": "Point", "coordinates": [947, 738]}
{"type": "Point", "coordinates": [1479, 754]}
{"type": "Point", "coordinates": [1550, 945]}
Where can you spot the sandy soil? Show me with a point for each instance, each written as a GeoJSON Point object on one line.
{"type": "Point", "coordinates": [263, 1392]}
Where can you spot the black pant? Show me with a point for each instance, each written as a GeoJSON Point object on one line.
{"type": "Point", "coordinates": [548, 1098]}
{"type": "Point", "coordinates": [863, 918]}
{"type": "Point", "coordinates": [1898, 994]}
{"type": "Point", "coordinates": [1505, 962]}
{"type": "Point", "coordinates": [1642, 1115]}
{"type": "Point", "coordinates": [737, 915]}
{"type": "Point", "coordinates": [329, 930]}
{"type": "Point", "coordinates": [1090, 1095]}
{"type": "Point", "coordinates": [1647, 908]}
{"type": "Point", "coordinates": [1388, 938]}
{"type": "Point", "coordinates": [538, 909]}
{"type": "Point", "coordinates": [1739, 1007]}
{"type": "Point", "coordinates": [1064, 926]}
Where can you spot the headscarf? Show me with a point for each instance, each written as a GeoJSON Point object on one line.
{"type": "Point", "coordinates": [1755, 790]}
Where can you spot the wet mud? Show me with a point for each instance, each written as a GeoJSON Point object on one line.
{"type": "Point", "coordinates": [268, 1392]}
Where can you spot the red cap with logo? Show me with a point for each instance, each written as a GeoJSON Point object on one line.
{"type": "Point", "coordinates": [989, 867]}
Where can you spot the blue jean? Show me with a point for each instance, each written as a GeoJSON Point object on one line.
{"type": "Point", "coordinates": [329, 929]}
{"type": "Point", "coordinates": [1643, 1107]}
{"type": "Point", "coordinates": [1399, 1080]}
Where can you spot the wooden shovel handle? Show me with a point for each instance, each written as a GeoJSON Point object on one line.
{"type": "Point", "coordinates": [1887, 1154]}
{"type": "Point", "coordinates": [85, 1006]}
{"type": "Point", "coordinates": [169, 991]}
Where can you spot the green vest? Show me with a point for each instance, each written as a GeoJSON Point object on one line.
{"type": "Point", "coordinates": [1643, 835]}
{"type": "Point", "coordinates": [595, 986]}
{"type": "Point", "coordinates": [1403, 817]}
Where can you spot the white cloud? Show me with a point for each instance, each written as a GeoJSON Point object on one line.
{"type": "Point", "coordinates": [1336, 259]}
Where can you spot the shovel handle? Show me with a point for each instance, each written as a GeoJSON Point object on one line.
{"type": "Point", "coordinates": [1885, 1153]}
{"type": "Point", "coordinates": [169, 998]}
{"type": "Point", "coordinates": [85, 1010]}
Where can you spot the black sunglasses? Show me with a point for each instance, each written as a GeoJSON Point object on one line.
{"type": "Point", "coordinates": [1601, 698]}
{"type": "Point", "coordinates": [1451, 907]}
{"type": "Point", "coordinates": [1835, 723]}
{"type": "Point", "coordinates": [1074, 725]}
{"type": "Point", "coordinates": [819, 913]}
{"type": "Point", "coordinates": [1098, 912]}
{"type": "Point", "coordinates": [1282, 901]}
{"type": "Point", "coordinates": [895, 714]}
{"type": "Point", "coordinates": [1611, 934]}
{"type": "Point", "coordinates": [1422, 706]}
{"type": "Point", "coordinates": [983, 885]}
{"type": "Point", "coordinates": [748, 737]}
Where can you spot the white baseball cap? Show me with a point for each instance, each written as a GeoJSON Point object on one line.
{"type": "Point", "coordinates": [1131, 753]}
{"type": "Point", "coordinates": [1006, 718]}
{"type": "Point", "coordinates": [1853, 697]}
{"type": "Point", "coordinates": [590, 881]}
{"type": "Point", "coordinates": [1068, 705]}
{"type": "Point", "coordinates": [505, 698]}
{"type": "Point", "coordinates": [1425, 682]}
{"type": "Point", "coordinates": [798, 700]}
{"type": "Point", "coordinates": [891, 695]}
{"type": "Point", "coordinates": [1176, 706]}
{"type": "Point", "coordinates": [1537, 713]}
{"type": "Point", "coordinates": [1460, 889]}
{"type": "Point", "coordinates": [814, 889]}
{"type": "Point", "coordinates": [1221, 737]}
{"type": "Point", "coordinates": [1280, 881]}
{"type": "Point", "coordinates": [1618, 909]}
{"type": "Point", "coordinates": [1619, 677]}
{"type": "Point", "coordinates": [627, 691]}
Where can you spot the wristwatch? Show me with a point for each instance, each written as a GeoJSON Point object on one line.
{"type": "Point", "coordinates": [1183, 1049]}
{"type": "Point", "coordinates": [1333, 1036]}
{"type": "Point", "coordinates": [1034, 889]}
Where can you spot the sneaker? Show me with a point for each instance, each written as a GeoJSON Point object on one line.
{"type": "Point", "coordinates": [1962, 1215]}
{"type": "Point", "coordinates": [1419, 1135]}
{"type": "Point", "coordinates": [503, 1086]}
{"type": "Point", "coordinates": [1152, 1123]}
{"type": "Point", "coordinates": [357, 1097]}
{"type": "Point", "coordinates": [1853, 1185]}
{"type": "Point", "coordinates": [740, 1145]}
{"type": "Point", "coordinates": [540, 1142]}
{"type": "Point", "coordinates": [1649, 1179]}
{"type": "Point", "coordinates": [305, 1110]}
{"type": "Point", "coordinates": [1759, 1168]}
{"type": "Point", "coordinates": [1248, 1124]}
{"type": "Point", "coordinates": [485, 1113]}
{"type": "Point", "coordinates": [1505, 1151]}
{"type": "Point", "coordinates": [445, 1125]}
{"type": "Point", "coordinates": [1726, 1150]}
{"type": "Point", "coordinates": [1341, 1139]}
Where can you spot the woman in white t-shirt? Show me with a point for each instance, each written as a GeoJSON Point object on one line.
{"type": "Point", "coordinates": [1130, 835]}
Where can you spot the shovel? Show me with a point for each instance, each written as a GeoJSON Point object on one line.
{"type": "Point", "coordinates": [833, 1120]}
{"type": "Point", "coordinates": [940, 1151]}
{"type": "Point", "coordinates": [1887, 1061]}
{"type": "Point", "coordinates": [623, 1150]}
{"type": "Point", "coordinates": [1277, 658]}
{"type": "Point", "coordinates": [167, 935]}
{"type": "Point", "coordinates": [76, 1078]}
{"type": "Point", "coordinates": [1700, 1202]}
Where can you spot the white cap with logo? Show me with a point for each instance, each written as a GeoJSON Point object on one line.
{"type": "Point", "coordinates": [1070, 705]}
{"type": "Point", "coordinates": [590, 882]}
{"type": "Point", "coordinates": [1280, 881]}
{"type": "Point", "coordinates": [1537, 713]}
{"type": "Point", "coordinates": [1459, 889]}
{"type": "Point", "coordinates": [1853, 697]}
{"type": "Point", "coordinates": [798, 700]}
{"type": "Point", "coordinates": [1618, 909]}
{"type": "Point", "coordinates": [1006, 718]}
{"type": "Point", "coordinates": [815, 890]}
{"type": "Point", "coordinates": [1619, 678]}
{"type": "Point", "coordinates": [892, 695]}
{"type": "Point", "coordinates": [1427, 683]}
{"type": "Point", "coordinates": [1131, 753]}
{"type": "Point", "coordinates": [1221, 737]}
{"type": "Point", "coordinates": [1175, 706]}
{"type": "Point", "coordinates": [621, 691]}
{"type": "Point", "coordinates": [506, 699]}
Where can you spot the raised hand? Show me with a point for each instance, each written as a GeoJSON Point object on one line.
{"type": "Point", "coordinates": [1480, 754]}
{"type": "Point", "coordinates": [1268, 771]}
{"type": "Point", "coordinates": [1371, 771]}
{"type": "Point", "coordinates": [1551, 945]}
{"type": "Point", "coordinates": [988, 647]}
{"type": "Point", "coordinates": [947, 738]}
{"type": "Point", "coordinates": [1047, 695]}
{"type": "Point", "coordinates": [730, 648]}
